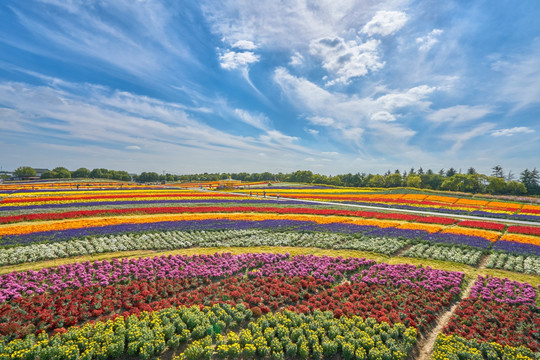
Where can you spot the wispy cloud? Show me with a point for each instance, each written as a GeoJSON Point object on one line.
{"type": "Point", "coordinates": [461, 138]}
{"type": "Point", "coordinates": [425, 43]}
{"type": "Point", "coordinates": [258, 121]}
{"type": "Point", "coordinates": [512, 131]}
{"type": "Point", "coordinates": [459, 113]}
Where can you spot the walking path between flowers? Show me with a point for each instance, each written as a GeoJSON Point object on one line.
{"type": "Point", "coordinates": [469, 217]}
{"type": "Point", "coordinates": [425, 346]}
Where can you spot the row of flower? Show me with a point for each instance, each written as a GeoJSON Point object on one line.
{"type": "Point", "coordinates": [445, 204]}
{"type": "Point", "coordinates": [170, 240]}
{"type": "Point", "coordinates": [497, 311]}
{"type": "Point", "coordinates": [456, 347]}
{"type": "Point", "coordinates": [413, 306]}
{"type": "Point", "coordinates": [13, 234]}
{"type": "Point", "coordinates": [53, 299]}
{"type": "Point", "coordinates": [168, 235]}
{"type": "Point", "coordinates": [104, 273]}
{"type": "Point", "coordinates": [221, 331]}
{"type": "Point", "coordinates": [255, 213]}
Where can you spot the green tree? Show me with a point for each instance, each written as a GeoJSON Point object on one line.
{"type": "Point", "coordinates": [61, 173]}
{"type": "Point", "coordinates": [496, 185]}
{"type": "Point", "coordinates": [451, 172]}
{"type": "Point", "coordinates": [24, 172]}
{"type": "Point", "coordinates": [515, 188]}
{"type": "Point", "coordinates": [497, 171]}
{"type": "Point", "coordinates": [393, 180]}
{"type": "Point", "coordinates": [148, 177]}
{"type": "Point", "coordinates": [473, 183]}
{"type": "Point", "coordinates": [81, 173]}
{"type": "Point", "coordinates": [302, 176]}
{"type": "Point", "coordinates": [471, 171]}
{"type": "Point", "coordinates": [531, 179]}
{"type": "Point", "coordinates": [99, 174]}
{"type": "Point", "coordinates": [414, 181]}
{"type": "Point", "coordinates": [376, 181]}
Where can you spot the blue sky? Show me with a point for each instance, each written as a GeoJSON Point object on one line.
{"type": "Point", "coordinates": [229, 86]}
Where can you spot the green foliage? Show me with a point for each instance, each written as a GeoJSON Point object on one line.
{"type": "Point", "coordinates": [24, 172]}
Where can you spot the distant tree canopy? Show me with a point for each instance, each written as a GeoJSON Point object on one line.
{"type": "Point", "coordinates": [24, 172]}
{"type": "Point", "coordinates": [471, 181]}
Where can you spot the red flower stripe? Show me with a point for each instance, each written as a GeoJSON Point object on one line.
{"type": "Point", "coordinates": [482, 225]}
{"type": "Point", "coordinates": [221, 209]}
{"type": "Point", "coordinates": [410, 305]}
{"type": "Point", "coordinates": [506, 324]}
{"type": "Point", "coordinates": [528, 230]}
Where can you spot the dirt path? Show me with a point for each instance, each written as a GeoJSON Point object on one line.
{"type": "Point", "coordinates": [483, 261]}
{"type": "Point", "coordinates": [425, 346]}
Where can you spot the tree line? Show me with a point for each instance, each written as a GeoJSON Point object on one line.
{"type": "Point", "coordinates": [471, 181]}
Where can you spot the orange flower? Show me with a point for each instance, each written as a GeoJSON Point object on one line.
{"type": "Point", "coordinates": [490, 235]}
{"type": "Point", "coordinates": [426, 227]}
{"type": "Point", "coordinates": [525, 239]}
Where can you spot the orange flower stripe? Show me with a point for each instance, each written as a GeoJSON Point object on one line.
{"type": "Point", "coordinates": [426, 227]}
{"type": "Point", "coordinates": [490, 235]}
{"type": "Point", "coordinates": [443, 199]}
{"type": "Point", "coordinates": [531, 207]}
{"type": "Point", "coordinates": [472, 202]}
{"type": "Point", "coordinates": [525, 239]}
{"type": "Point", "coordinates": [504, 205]}
{"type": "Point", "coordinates": [415, 196]}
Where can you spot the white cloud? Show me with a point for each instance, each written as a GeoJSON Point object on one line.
{"type": "Point", "coordinates": [296, 59]}
{"type": "Point", "coordinates": [286, 25]}
{"type": "Point", "coordinates": [346, 59]}
{"type": "Point", "coordinates": [383, 116]}
{"type": "Point", "coordinates": [426, 42]}
{"type": "Point", "coordinates": [244, 45]}
{"type": "Point", "coordinates": [357, 121]}
{"type": "Point", "coordinates": [460, 139]}
{"type": "Point", "coordinates": [232, 59]}
{"type": "Point", "coordinates": [459, 113]}
{"type": "Point", "coordinates": [512, 131]}
{"type": "Point", "coordinates": [312, 132]}
{"type": "Point", "coordinates": [278, 137]}
{"type": "Point", "coordinates": [91, 33]}
{"type": "Point", "coordinates": [385, 23]}
{"type": "Point", "coordinates": [258, 121]}
{"type": "Point", "coordinates": [320, 120]}
{"type": "Point", "coordinates": [412, 97]}
{"type": "Point", "coordinates": [159, 128]}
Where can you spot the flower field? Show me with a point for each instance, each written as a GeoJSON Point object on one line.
{"type": "Point", "coordinates": [428, 202]}
{"type": "Point", "coordinates": [267, 303]}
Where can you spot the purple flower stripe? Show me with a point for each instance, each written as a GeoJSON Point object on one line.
{"type": "Point", "coordinates": [104, 273]}
{"type": "Point", "coordinates": [516, 248]}
{"type": "Point", "coordinates": [503, 290]}
{"type": "Point", "coordinates": [410, 275]}
{"type": "Point", "coordinates": [324, 268]}
{"type": "Point", "coordinates": [189, 225]}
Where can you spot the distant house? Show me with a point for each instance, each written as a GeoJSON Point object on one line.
{"type": "Point", "coordinates": [40, 172]}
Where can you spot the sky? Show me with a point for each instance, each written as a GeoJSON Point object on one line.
{"type": "Point", "coordinates": [332, 86]}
